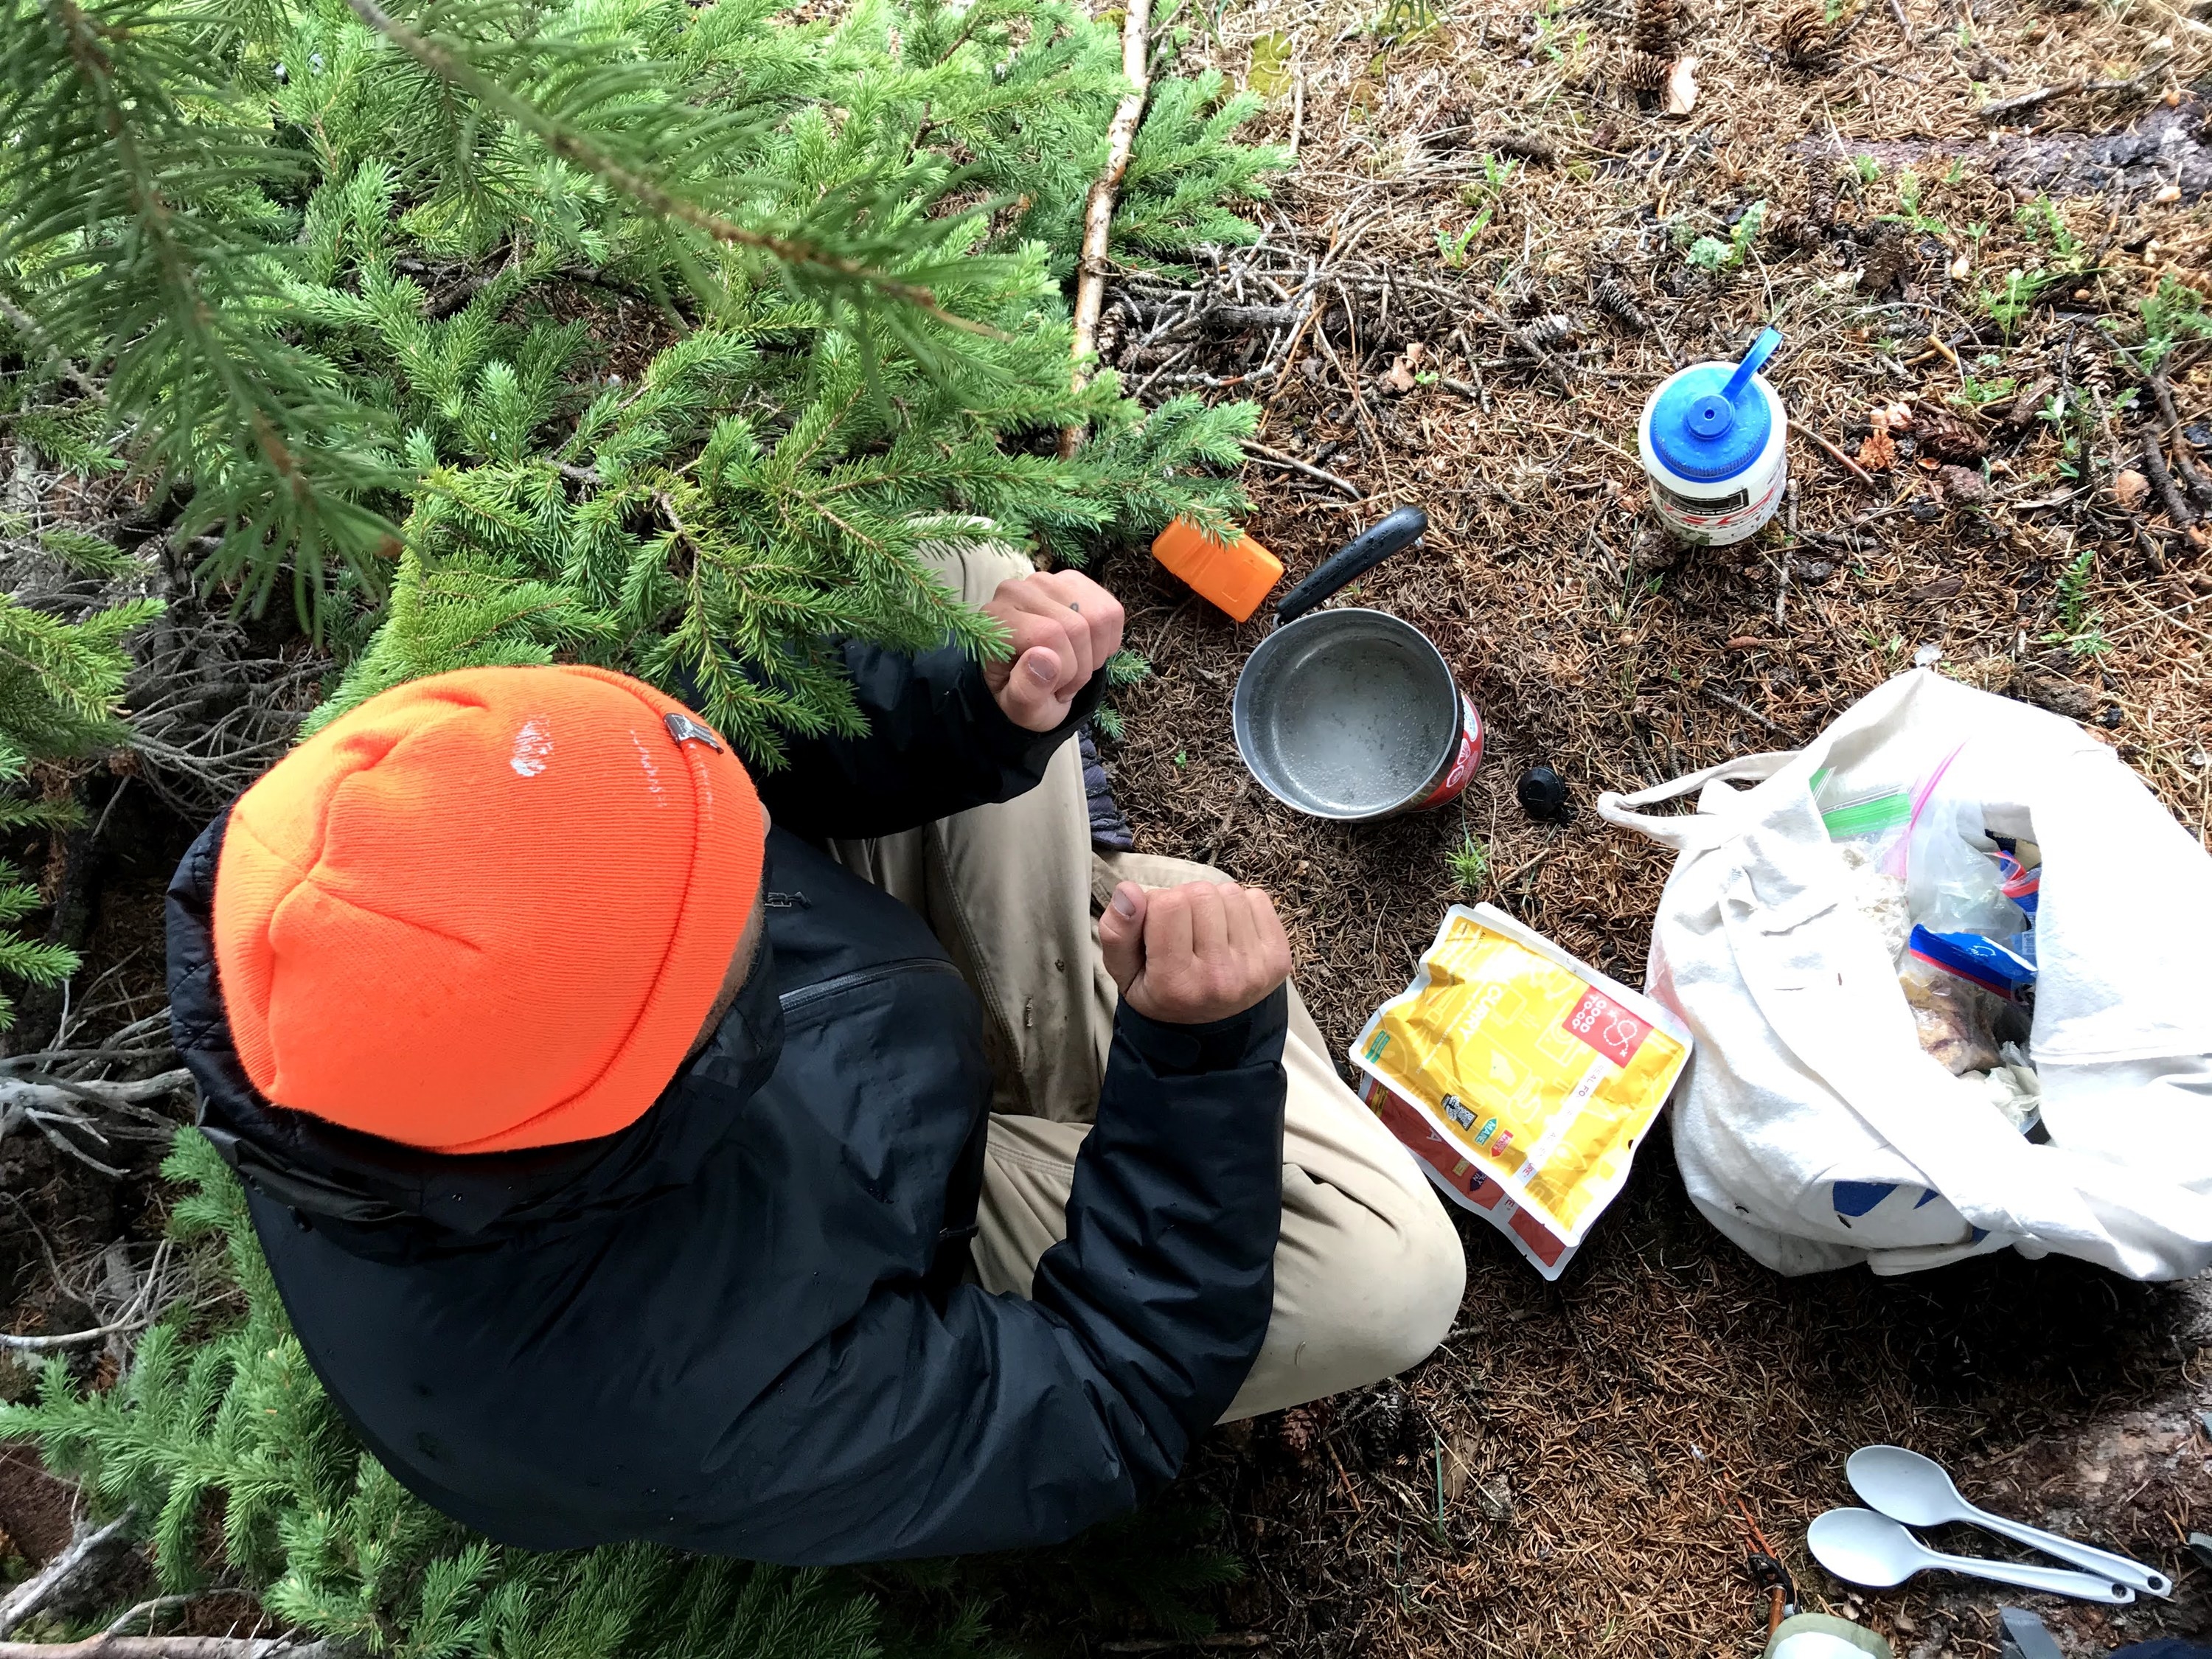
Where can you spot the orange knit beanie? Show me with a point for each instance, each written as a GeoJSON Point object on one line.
{"type": "Point", "coordinates": [486, 910]}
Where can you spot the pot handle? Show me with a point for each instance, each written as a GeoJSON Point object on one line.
{"type": "Point", "coordinates": [1355, 559]}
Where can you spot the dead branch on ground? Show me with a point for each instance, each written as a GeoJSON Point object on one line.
{"type": "Point", "coordinates": [1098, 210]}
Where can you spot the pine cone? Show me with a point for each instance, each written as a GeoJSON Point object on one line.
{"type": "Point", "coordinates": [1532, 148]}
{"type": "Point", "coordinates": [1614, 299]}
{"type": "Point", "coordinates": [1820, 194]}
{"type": "Point", "coordinates": [1887, 262]}
{"type": "Point", "coordinates": [1646, 71]}
{"type": "Point", "coordinates": [1383, 1430]}
{"type": "Point", "coordinates": [1654, 33]}
{"type": "Point", "coordinates": [1304, 1427]}
{"type": "Point", "coordinates": [1802, 37]}
{"type": "Point", "coordinates": [1948, 438]}
{"type": "Point", "coordinates": [1546, 332]}
{"type": "Point", "coordinates": [2094, 376]}
{"type": "Point", "coordinates": [1786, 229]}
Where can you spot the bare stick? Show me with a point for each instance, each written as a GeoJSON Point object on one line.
{"type": "Point", "coordinates": [1098, 210]}
{"type": "Point", "coordinates": [2192, 478]}
{"type": "Point", "coordinates": [34, 1592]}
{"type": "Point", "coordinates": [1744, 709]}
{"type": "Point", "coordinates": [2177, 505]}
{"type": "Point", "coordinates": [147, 1610]}
{"type": "Point", "coordinates": [1836, 455]}
{"type": "Point", "coordinates": [169, 1647]}
{"type": "Point", "coordinates": [1267, 457]}
{"type": "Point", "coordinates": [2005, 106]}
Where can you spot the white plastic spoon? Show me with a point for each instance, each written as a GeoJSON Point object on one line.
{"type": "Point", "coordinates": [1867, 1548]}
{"type": "Point", "coordinates": [1919, 1492]}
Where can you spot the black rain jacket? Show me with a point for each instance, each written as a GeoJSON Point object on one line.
{"type": "Point", "coordinates": [739, 1325]}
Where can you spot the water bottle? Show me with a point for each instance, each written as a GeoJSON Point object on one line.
{"type": "Point", "coordinates": [1713, 444]}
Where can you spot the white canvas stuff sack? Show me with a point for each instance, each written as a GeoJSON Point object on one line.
{"type": "Point", "coordinates": [1813, 1129]}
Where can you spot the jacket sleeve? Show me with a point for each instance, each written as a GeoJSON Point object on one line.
{"type": "Point", "coordinates": [937, 744]}
{"type": "Point", "coordinates": [997, 1423]}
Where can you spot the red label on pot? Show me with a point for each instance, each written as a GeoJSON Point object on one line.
{"type": "Point", "coordinates": [1465, 759]}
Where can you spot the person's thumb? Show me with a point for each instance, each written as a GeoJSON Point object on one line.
{"type": "Point", "coordinates": [1122, 935]}
{"type": "Point", "coordinates": [1030, 687]}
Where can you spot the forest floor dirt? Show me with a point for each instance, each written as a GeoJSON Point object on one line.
{"type": "Point", "coordinates": [1585, 1463]}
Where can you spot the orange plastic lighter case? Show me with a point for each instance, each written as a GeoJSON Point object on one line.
{"type": "Point", "coordinates": [1234, 575]}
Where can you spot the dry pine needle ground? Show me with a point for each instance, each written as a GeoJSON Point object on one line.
{"type": "Point", "coordinates": [1602, 1448]}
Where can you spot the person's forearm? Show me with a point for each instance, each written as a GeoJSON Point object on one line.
{"type": "Point", "coordinates": [1167, 1269]}
{"type": "Point", "coordinates": [937, 744]}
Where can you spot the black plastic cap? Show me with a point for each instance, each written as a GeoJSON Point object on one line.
{"type": "Point", "coordinates": [1543, 795]}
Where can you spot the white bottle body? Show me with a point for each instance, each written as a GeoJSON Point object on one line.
{"type": "Point", "coordinates": [1715, 512]}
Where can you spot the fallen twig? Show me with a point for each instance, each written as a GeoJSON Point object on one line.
{"type": "Point", "coordinates": [34, 1592]}
{"type": "Point", "coordinates": [2190, 477]}
{"type": "Point", "coordinates": [148, 1610]}
{"type": "Point", "coordinates": [1837, 455]}
{"type": "Point", "coordinates": [1747, 712]}
{"type": "Point", "coordinates": [135, 1318]}
{"type": "Point", "coordinates": [2177, 505]}
{"type": "Point", "coordinates": [1098, 210]}
{"type": "Point", "coordinates": [1265, 457]}
{"type": "Point", "coordinates": [171, 1647]}
{"type": "Point", "coordinates": [2000, 108]}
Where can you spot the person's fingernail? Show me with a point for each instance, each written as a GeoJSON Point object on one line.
{"type": "Point", "coordinates": [1123, 903]}
{"type": "Point", "coordinates": [1044, 669]}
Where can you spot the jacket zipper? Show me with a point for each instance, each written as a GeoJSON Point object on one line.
{"type": "Point", "coordinates": [807, 994]}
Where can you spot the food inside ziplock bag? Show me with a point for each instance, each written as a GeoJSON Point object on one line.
{"type": "Point", "coordinates": [1966, 994]}
{"type": "Point", "coordinates": [1954, 882]}
{"type": "Point", "coordinates": [1458, 1178]}
{"type": "Point", "coordinates": [1541, 1072]}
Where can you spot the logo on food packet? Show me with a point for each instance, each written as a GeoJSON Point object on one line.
{"type": "Point", "coordinates": [1607, 1026]}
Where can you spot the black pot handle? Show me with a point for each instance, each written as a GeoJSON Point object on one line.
{"type": "Point", "coordinates": [1353, 560]}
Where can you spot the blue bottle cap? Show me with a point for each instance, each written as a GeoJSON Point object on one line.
{"type": "Point", "coordinates": [1712, 421]}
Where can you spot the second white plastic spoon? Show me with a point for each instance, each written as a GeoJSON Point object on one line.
{"type": "Point", "coordinates": [1867, 1548]}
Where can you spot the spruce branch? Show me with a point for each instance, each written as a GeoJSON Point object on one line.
{"type": "Point", "coordinates": [449, 63]}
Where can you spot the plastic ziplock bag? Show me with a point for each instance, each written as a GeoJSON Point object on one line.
{"type": "Point", "coordinates": [1467, 1186]}
{"type": "Point", "coordinates": [1542, 1071]}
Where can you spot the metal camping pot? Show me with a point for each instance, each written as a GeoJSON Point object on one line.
{"type": "Point", "coordinates": [1353, 714]}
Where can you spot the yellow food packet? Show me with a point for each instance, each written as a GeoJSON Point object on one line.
{"type": "Point", "coordinates": [1543, 1071]}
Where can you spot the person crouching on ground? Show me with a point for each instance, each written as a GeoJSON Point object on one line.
{"type": "Point", "coordinates": [840, 1165]}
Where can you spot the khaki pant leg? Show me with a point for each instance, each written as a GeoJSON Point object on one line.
{"type": "Point", "coordinates": [1006, 890]}
{"type": "Point", "coordinates": [1369, 1270]}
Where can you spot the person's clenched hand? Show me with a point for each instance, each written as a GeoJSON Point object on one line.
{"type": "Point", "coordinates": [1062, 627]}
{"type": "Point", "coordinates": [1188, 954]}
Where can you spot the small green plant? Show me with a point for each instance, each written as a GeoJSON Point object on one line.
{"type": "Point", "coordinates": [1123, 668]}
{"type": "Point", "coordinates": [1487, 193]}
{"type": "Point", "coordinates": [1469, 861]}
{"type": "Point", "coordinates": [1401, 21]}
{"type": "Point", "coordinates": [2176, 313]}
{"type": "Point", "coordinates": [1453, 248]}
{"type": "Point", "coordinates": [2081, 629]}
{"type": "Point", "coordinates": [1975, 392]}
{"type": "Point", "coordinates": [1910, 193]}
{"type": "Point", "coordinates": [2041, 220]}
{"type": "Point", "coordinates": [1710, 253]}
{"type": "Point", "coordinates": [2007, 304]}
{"type": "Point", "coordinates": [1865, 169]}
